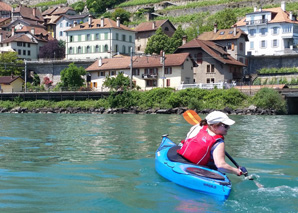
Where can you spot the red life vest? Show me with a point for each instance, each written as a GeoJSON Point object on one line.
{"type": "Point", "coordinates": [197, 148]}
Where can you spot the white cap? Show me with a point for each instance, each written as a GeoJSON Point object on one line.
{"type": "Point", "coordinates": [216, 117]}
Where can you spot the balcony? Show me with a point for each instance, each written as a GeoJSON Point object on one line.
{"type": "Point", "coordinates": [257, 22]}
{"type": "Point", "coordinates": [149, 76]}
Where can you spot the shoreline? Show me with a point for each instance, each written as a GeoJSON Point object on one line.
{"type": "Point", "coordinates": [251, 110]}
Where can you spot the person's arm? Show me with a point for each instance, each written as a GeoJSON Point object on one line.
{"type": "Point", "coordinates": [220, 162]}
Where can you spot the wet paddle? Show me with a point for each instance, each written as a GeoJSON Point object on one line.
{"type": "Point", "coordinates": [193, 118]}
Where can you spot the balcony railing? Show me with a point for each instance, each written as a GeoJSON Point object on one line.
{"type": "Point", "coordinates": [149, 76]}
{"type": "Point", "coordinates": [257, 22]}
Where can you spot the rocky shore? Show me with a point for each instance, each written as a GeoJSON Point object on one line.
{"type": "Point", "coordinates": [251, 110]}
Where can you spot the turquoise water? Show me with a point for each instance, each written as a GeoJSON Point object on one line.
{"type": "Point", "coordinates": [105, 163]}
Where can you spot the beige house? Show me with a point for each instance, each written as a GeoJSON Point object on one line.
{"type": "Point", "coordinates": [213, 63]}
{"type": "Point", "coordinates": [147, 29]}
{"type": "Point", "coordinates": [11, 83]}
{"type": "Point", "coordinates": [232, 39]}
{"type": "Point", "coordinates": [148, 71]}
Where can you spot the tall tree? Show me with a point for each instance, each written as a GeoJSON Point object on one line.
{"type": "Point", "coordinates": [159, 41]}
{"type": "Point", "coordinates": [10, 64]}
{"type": "Point", "coordinates": [176, 39]}
{"type": "Point", "coordinates": [118, 82]}
{"type": "Point", "coordinates": [53, 49]}
{"type": "Point", "coordinates": [122, 14]}
{"type": "Point", "coordinates": [72, 76]}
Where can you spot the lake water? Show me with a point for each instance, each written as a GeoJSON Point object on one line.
{"type": "Point", "coordinates": [105, 163]}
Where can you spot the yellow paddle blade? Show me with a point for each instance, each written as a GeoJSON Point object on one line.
{"type": "Point", "coordinates": [191, 117]}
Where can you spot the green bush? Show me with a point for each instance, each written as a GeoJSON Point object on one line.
{"type": "Point", "coordinates": [268, 98]}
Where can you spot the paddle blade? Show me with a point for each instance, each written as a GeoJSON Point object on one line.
{"type": "Point", "coordinates": [191, 117]}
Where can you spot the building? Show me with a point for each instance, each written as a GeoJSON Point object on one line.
{"type": "Point", "coordinates": [146, 29]}
{"type": "Point", "coordinates": [213, 63]}
{"type": "Point", "coordinates": [148, 71]}
{"type": "Point", "coordinates": [272, 31]}
{"type": "Point", "coordinates": [99, 38]}
{"type": "Point", "coordinates": [65, 22]}
{"type": "Point", "coordinates": [27, 13]}
{"type": "Point", "coordinates": [11, 83]}
{"type": "Point", "coordinates": [232, 39]}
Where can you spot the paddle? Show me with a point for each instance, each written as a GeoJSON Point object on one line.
{"type": "Point", "coordinates": [193, 118]}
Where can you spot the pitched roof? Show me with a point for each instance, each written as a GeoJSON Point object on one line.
{"type": "Point", "coordinates": [139, 62]}
{"type": "Point", "coordinates": [224, 34]}
{"type": "Point", "coordinates": [71, 17]}
{"type": "Point", "coordinates": [212, 49]}
{"type": "Point", "coordinates": [278, 16]}
{"type": "Point", "coordinates": [8, 79]}
{"type": "Point", "coordinates": [39, 33]}
{"type": "Point", "coordinates": [5, 7]}
{"type": "Point", "coordinates": [27, 13]}
{"type": "Point", "coordinates": [62, 10]}
{"type": "Point", "coordinates": [19, 38]}
{"type": "Point", "coordinates": [96, 24]}
{"type": "Point", "coordinates": [150, 25]}
{"type": "Point", "coordinates": [5, 34]}
{"type": "Point", "coordinates": [49, 11]}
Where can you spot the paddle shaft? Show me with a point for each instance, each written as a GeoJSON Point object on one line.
{"type": "Point", "coordinates": [232, 160]}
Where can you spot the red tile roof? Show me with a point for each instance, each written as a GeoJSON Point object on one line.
{"type": "Point", "coordinates": [8, 79]}
{"type": "Point", "coordinates": [278, 16]}
{"type": "Point", "coordinates": [139, 62]}
{"type": "Point", "coordinates": [96, 24]}
{"type": "Point", "coordinates": [213, 50]}
{"type": "Point", "coordinates": [27, 12]}
{"type": "Point", "coordinates": [224, 34]}
{"type": "Point", "coordinates": [19, 38]}
{"type": "Point", "coordinates": [49, 11]}
{"type": "Point", "coordinates": [62, 10]}
{"type": "Point", "coordinates": [148, 26]}
{"type": "Point", "coordinates": [5, 7]}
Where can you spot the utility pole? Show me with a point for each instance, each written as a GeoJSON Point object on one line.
{"type": "Point", "coordinates": [163, 68]}
{"type": "Point", "coordinates": [25, 75]}
{"type": "Point", "coordinates": [131, 54]}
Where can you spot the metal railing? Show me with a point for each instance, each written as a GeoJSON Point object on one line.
{"type": "Point", "coordinates": [220, 85]}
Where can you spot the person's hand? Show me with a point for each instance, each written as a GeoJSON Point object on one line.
{"type": "Point", "coordinates": [243, 171]}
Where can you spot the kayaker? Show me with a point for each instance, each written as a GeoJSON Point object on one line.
{"type": "Point", "coordinates": [204, 144]}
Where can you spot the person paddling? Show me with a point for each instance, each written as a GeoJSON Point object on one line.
{"type": "Point", "coordinates": [204, 144]}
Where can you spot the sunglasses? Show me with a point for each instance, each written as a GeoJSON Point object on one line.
{"type": "Point", "coordinates": [225, 126]}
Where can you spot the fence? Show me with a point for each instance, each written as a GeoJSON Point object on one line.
{"type": "Point", "coordinates": [220, 85]}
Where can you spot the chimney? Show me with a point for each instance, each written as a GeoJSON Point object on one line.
{"type": "Point", "coordinates": [184, 39]}
{"type": "Point", "coordinates": [12, 30]}
{"type": "Point", "coordinates": [90, 20]}
{"type": "Point", "coordinates": [153, 25]}
{"type": "Point", "coordinates": [255, 8]}
{"type": "Point", "coordinates": [100, 62]}
{"type": "Point", "coordinates": [215, 28]}
{"type": "Point", "coordinates": [291, 16]}
{"type": "Point", "coordinates": [33, 31]}
{"type": "Point", "coordinates": [235, 29]}
{"type": "Point", "coordinates": [283, 5]}
{"type": "Point", "coordinates": [102, 19]}
{"type": "Point", "coordinates": [34, 12]}
{"type": "Point", "coordinates": [118, 21]}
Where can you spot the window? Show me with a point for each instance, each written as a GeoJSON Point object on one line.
{"type": "Point", "coordinates": [229, 45]}
{"type": "Point", "coordinates": [252, 32]}
{"type": "Point", "coordinates": [123, 49]}
{"type": "Point", "coordinates": [168, 70]}
{"type": "Point", "coordinates": [102, 73]}
{"type": "Point", "coordinates": [67, 24]}
{"type": "Point", "coordinates": [151, 83]}
{"type": "Point", "coordinates": [275, 30]}
{"type": "Point", "coordinates": [79, 37]}
{"type": "Point", "coordinates": [210, 80]}
{"type": "Point", "coordinates": [212, 67]}
{"type": "Point", "coordinates": [263, 44]}
{"type": "Point", "coordinates": [136, 71]}
{"type": "Point", "coordinates": [88, 49]}
{"type": "Point", "coordinates": [97, 36]}
{"type": "Point", "coordinates": [70, 50]}
{"type": "Point", "coordinates": [275, 43]}
{"type": "Point", "coordinates": [19, 52]}
{"type": "Point", "coordinates": [88, 37]}
{"type": "Point", "coordinates": [19, 44]}
{"type": "Point", "coordinates": [106, 36]}
{"type": "Point", "coordinates": [166, 29]}
{"type": "Point", "coordinates": [151, 71]}
{"type": "Point", "coordinates": [263, 31]}
{"type": "Point", "coordinates": [251, 45]}
{"type": "Point", "coordinates": [106, 48]}
{"type": "Point", "coordinates": [130, 38]}
{"type": "Point", "coordinates": [123, 37]}
{"type": "Point", "coordinates": [222, 32]}
{"type": "Point", "coordinates": [61, 33]}
{"type": "Point", "coordinates": [241, 46]}
{"type": "Point", "coordinates": [24, 52]}
{"type": "Point", "coordinates": [116, 48]}
{"type": "Point", "coordinates": [113, 72]}
{"type": "Point", "coordinates": [117, 36]}
{"type": "Point", "coordinates": [199, 58]}
{"type": "Point", "coordinates": [28, 45]}
{"type": "Point", "coordinates": [61, 25]}
{"type": "Point", "coordinates": [28, 52]}
{"type": "Point", "coordinates": [24, 44]}
{"type": "Point", "coordinates": [208, 68]}
{"type": "Point", "coordinates": [97, 49]}
{"type": "Point", "coordinates": [79, 50]}
{"type": "Point", "coordinates": [70, 39]}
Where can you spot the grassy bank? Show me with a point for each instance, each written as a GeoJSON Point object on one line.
{"type": "Point", "coordinates": [166, 98]}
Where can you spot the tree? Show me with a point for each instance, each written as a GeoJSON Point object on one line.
{"type": "Point", "coordinates": [78, 6]}
{"type": "Point", "coordinates": [10, 64]}
{"type": "Point", "coordinates": [72, 76]}
{"type": "Point", "coordinates": [176, 39]}
{"type": "Point", "coordinates": [156, 43]}
{"type": "Point", "coordinates": [98, 7]}
{"type": "Point", "coordinates": [52, 49]}
{"type": "Point", "coordinates": [118, 82]}
{"type": "Point", "coordinates": [122, 14]}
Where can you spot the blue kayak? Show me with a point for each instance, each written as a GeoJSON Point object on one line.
{"type": "Point", "coordinates": [175, 168]}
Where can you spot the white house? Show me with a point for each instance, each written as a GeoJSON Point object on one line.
{"type": "Point", "coordinates": [272, 31]}
{"type": "Point", "coordinates": [99, 38]}
{"type": "Point", "coordinates": [148, 72]}
{"type": "Point", "coordinates": [65, 22]}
